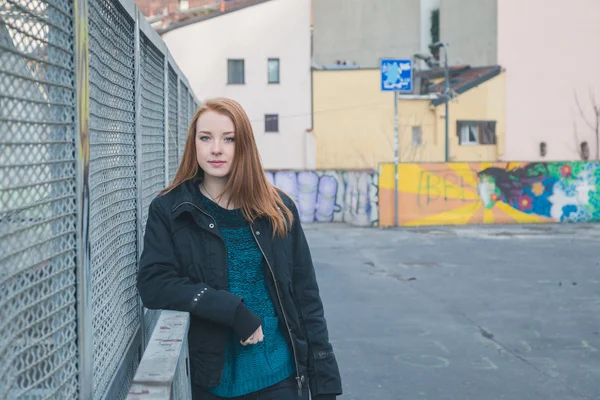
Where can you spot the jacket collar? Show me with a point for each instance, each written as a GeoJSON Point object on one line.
{"type": "Point", "coordinates": [187, 199]}
{"type": "Point", "coordinates": [187, 195]}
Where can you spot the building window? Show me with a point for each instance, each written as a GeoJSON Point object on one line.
{"type": "Point", "coordinates": [476, 132]}
{"type": "Point", "coordinates": [417, 136]}
{"type": "Point", "coordinates": [585, 151]}
{"type": "Point", "coordinates": [543, 149]}
{"type": "Point", "coordinates": [273, 70]}
{"type": "Point", "coordinates": [235, 72]}
{"type": "Point", "coordinates": [271, 123]}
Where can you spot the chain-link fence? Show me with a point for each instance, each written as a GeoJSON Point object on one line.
{"type": "Point", "coordinates": [93, 118]}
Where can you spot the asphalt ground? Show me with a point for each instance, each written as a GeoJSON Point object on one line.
{"type": "Point", "coordinates": [490, 312]}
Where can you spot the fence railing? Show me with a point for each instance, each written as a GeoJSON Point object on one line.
{"type": "Point", "coordinates": [163, 369]}
{"type": "Point", "coordinates": [93, 117]}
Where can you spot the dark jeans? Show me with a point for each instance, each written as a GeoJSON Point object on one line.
{"type": "Point", "coordinates": [284, 390]}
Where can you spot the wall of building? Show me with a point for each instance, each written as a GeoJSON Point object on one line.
{"type": "Point", "coordinates": [470, 27]}
{"type": "Point", "coordinates": [490, 193]}
{"type": "Point", "coordinates": [418, 113]}
{"type": "Point", "coordinates": [550, 54]}
{"type": "Point", "coordinates": [484, 102]}
{"type": "Point", "coordinates": [365, 31]}
{"type": "Point", "coordinates": [332, 196]}
{"type": "Point", "coordinates": [353, 121]}
{"type": "Point", "coordinates": [277, 28]}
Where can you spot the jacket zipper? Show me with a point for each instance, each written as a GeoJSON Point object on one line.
{"type": "Point", "coordinates": [298, 379]}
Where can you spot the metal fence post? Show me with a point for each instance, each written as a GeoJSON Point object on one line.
{"type": "Point", "coordinates": [138, 155]}
{"type": "Point", "coordinates": [84, 301]}
{"type": "Point", "coordinates": [166, 71]}
{"type": "Point", "coordinates": [179, 152]}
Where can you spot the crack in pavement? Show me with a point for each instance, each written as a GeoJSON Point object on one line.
{"type": "Point", "coordinates": [489, 336]}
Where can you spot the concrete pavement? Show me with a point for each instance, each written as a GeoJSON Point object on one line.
{"type": "Point", "coordinates": [496, 312]}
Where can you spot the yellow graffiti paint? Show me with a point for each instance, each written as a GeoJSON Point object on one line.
{"type": "Point", "coordinates": [488, 216]}
{"type": "Point", "coordinates": [519, 216]}
{"type": "Point", "coordinates": [462, 171]}
{"type": "Point", "coordinates": [459, 216]}
{"type": "Point", "coordinates": [414, 179]}
{"type": "Point", "coordinates": [457, 194]}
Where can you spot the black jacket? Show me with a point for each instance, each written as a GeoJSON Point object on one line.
{"type": "Point", "coordinates": [184, 267]}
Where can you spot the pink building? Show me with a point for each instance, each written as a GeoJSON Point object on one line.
{"type": "Point", "coordinates": [551, 52]}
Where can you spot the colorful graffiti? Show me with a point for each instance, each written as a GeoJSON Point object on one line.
{"type": "Point", "coordinates": [488, 193]}
{"type": "Point", "coordinates": [332, 196]}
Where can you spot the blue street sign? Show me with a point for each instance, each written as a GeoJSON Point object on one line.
{"type": "Point", "coordinates": [396, 75]}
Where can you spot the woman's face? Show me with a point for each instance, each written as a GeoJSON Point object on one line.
{"type": "Point", "coordinates": [215, 143]}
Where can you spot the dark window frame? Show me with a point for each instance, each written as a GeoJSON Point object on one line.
{"type": "Point", "coordinates": [271, 123]}
{"type": "Point", "coordinates": [486, 134]}
{"type": "Point", "coordinates": [278, 81]}
{"type": "Point", "coordinates": [230, 73]}
{"type": "Point", "coordinates": [584, 148]}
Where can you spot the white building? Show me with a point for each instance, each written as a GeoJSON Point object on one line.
{"type": "Point", "coordinates": [260, 55]}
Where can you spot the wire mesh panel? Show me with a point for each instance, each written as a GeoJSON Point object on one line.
{"type": "Point", "coordinates": [152, 123]}
{"type": "Point", "coordinates": [173, 137]}
{"type": "Point", "coordinates": [113, 237]}
{"type": "Point", "coordinates": [183, 117]}
{"type": "Point", "coordinates": [38, 314]}
{"type": "Point", "coordinates": [192, 107]}
{"type": "Point", "coordinates": [153, 139]}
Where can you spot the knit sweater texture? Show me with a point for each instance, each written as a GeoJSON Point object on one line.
{"type": "Point", "coordinates": [249, 368]}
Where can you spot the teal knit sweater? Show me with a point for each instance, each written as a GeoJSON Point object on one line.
{"type": "Point", "coordinates": [253, 367]}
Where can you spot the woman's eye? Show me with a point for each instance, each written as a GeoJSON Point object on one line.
{"type": "Point", "coordinates": [204, 138]}
{"type": "Point", "coordinates": [230, 139]}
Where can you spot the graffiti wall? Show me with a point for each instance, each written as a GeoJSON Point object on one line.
{"type": "Point", "coordinates": [332, 196]}
{"type": "Point", "coordinates": [490, 193]}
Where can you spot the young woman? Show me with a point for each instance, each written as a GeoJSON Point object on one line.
{"type": "Point", "coordinates": [226, 246]}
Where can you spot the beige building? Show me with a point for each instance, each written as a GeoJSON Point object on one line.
{"type": "Point", "coordinates": [354, 119]}
{"type": "Point", "coordinates": [259, 55]}
{"type": "Point", "coordinates": [550, 51]}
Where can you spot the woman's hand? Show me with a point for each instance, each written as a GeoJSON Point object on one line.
{"type": "Point", "coordinates": [256, 337]}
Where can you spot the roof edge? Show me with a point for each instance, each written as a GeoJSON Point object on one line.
{"type": "Point", "coordinates": [476, 82]}
{"type": "Point", "coordinates": [201, 18]}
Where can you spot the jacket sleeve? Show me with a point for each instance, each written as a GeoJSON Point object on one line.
{"type": "Point", "coordinates": [323, 372]}
{"type": "Point", "coordinates": [161, 287]}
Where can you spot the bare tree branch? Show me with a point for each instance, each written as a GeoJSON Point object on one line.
{"type": "Point", "coordinates": [577, 142]}
{"type": "Point", "coordinates": [582, 113]}
{"type": "Point", "coordinates": [597, 116]}
{"type": "Point", "coordinates": [362, 157]}
{"type": "Point", "coordinates": [593, 101]}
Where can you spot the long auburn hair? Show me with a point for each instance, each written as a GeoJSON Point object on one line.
{"type": "Point", "coordinates": [247, 185]}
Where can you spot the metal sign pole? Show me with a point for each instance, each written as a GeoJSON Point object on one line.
{"type": "Point", "coordinates": [396, 149]}
{"type": "Point", "coordinates": [396, 77]}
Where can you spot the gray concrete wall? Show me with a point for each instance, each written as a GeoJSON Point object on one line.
{"type": "Point", "coordinates": [365, 30]}
{"type": "Point", "coordinates": [471, 28]}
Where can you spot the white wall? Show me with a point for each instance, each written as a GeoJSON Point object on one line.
{"type": "Point", "coordinates": [364, 31]}
{"type": "Point", "coordinates": [550, 51]}
{"type": "Point", "coordinates": [274, 29]}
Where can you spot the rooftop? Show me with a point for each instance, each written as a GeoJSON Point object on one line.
{"type": "Point", "coordinates": [462, 78]}
{"type": "Point", "coordinates": [171, 21]}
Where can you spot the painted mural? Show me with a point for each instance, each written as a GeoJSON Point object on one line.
{"type": "Point", "coordinates": [489, 193]}
{"type": "Point", "coordinates": [332, 196]}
